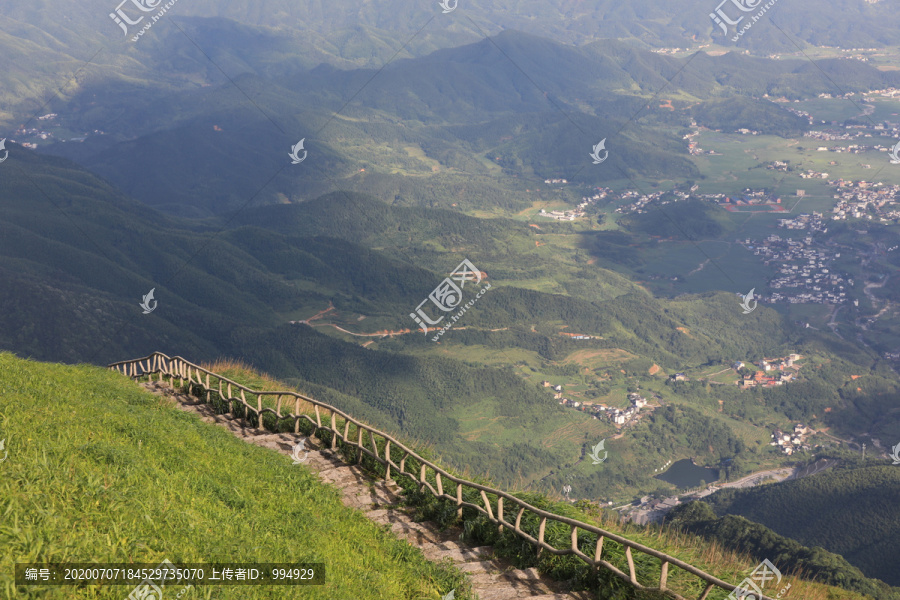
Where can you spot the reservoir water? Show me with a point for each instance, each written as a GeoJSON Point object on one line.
{"type": "Point", "coordinates": [685, 474]}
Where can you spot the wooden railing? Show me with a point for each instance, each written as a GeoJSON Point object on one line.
{"type": "Point", "coordinates": [207, 382]}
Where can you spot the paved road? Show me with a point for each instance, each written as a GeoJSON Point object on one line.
{"type": "Point", "coordinates": [780, 474]}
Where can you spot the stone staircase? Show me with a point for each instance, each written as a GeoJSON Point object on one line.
{"type": "Point", "coordinates": [492, 578]}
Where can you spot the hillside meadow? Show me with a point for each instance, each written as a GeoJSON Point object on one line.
{"type": "Point", "coordinates": [100, 470]}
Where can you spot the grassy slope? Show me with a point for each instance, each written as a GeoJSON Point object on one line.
{"type": "Point", "coordinates": [99, 470]}
{"type": "Point", "coordinates": [709, 557]}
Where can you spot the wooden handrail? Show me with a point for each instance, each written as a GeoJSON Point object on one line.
{"type": "Point", "coordinates": [178, 367]}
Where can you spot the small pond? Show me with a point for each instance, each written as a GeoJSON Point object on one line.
{"type": "Point", "coordinates": [685, 474]}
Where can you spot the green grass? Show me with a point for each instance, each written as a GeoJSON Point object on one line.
{"type": "Point", "coordinates": [479, 531]}
{"type": "Point", "coordinates": [101, 471]}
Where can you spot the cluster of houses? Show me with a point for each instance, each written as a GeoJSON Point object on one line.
{"type": "Point", "coordinates": [676, 50]}
{"type": "Point", "coordinates": [599, 194]}
{"type": "Point", "coordinates": [830, 136]}
{"type": "Point", "coordinates": [814, 222]}
{"type": "Point", "coordinates": [792, 442]}
{"type": "Point", "coordinates": [576, 336]}
{"type": "Point", "coordinates": [571, 215]}
{"type": "Point", "coordinates": [800, 113]}
{"type": "Point", "coordinates": [854, 149]}
{"type": "Point", "coordinates": [847, 96]}
{"type": "Point", "coordinates": [749, 196]}
{"type": "Point", "coordinates": [772, 372]}
{"type": "Point", "coordinates": [805, 271]}
{"type": "Point", "coordinates": [890, 92]}
{"type": "Point", "coordinates": [693, 148]}
{"type": "Point", "coordinates": [643, 201]}
{"type": "Point", "coordinates": [864, 199]}
{"type": "Point", "coordinates": [34, 132]}
{"type": "Point", "coordinates": [616, 416]}
{"type": "Point", "coordinates": [802, 267]}
{"type": "Point", "coordinates": [551, 181]}
{"type": "Point", "coordinates": [562, 215]}
{"type": "Point", "coordinates": [37, 134]}
{"type": "Point", "coordinates": [639, 204]}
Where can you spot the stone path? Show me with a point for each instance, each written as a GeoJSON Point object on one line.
{"type": "Point", "coordinates": [492, 578]}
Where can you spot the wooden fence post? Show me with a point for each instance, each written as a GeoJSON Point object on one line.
{"type": "Point", "coordinates": [259, 410]}
{"type": "Point", "coordinates": [541, 528]}
{"type": "Point", "coordinates": [334, 433]}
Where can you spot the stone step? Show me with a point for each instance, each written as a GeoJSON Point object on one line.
{"type": "Point", "coordinates": [456, 553]}
{"type": "Point", "coordinates": [376, 496]}
{"type": "Point", "coordinates": [562, 596]}
{"type": "Point", "coordinates": [499, 592]}
{"type": "Point", "coordinates": [343, 476]}
{"type": "Point", "coordinates": [419, 533]}
{"type": "Point", "coordinates": [484, 566]}
{"type": "Point", "coordinates": [491, 578]}
{"type": "Point", "coordinates": [386, 515]}
{"type": "Point", "coordinates": [526, 581]}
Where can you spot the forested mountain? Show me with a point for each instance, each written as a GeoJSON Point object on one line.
{"type": "Point", "coordinates": [428, 138]}
{"type": "Point", "coordinates": [78, 256]}
{"type": "Point", "coordinates": [483, 120]}
{"type": "Point", "coordinates": [848, 510]}
{"type": "Point", "coordinates": [762, 543]}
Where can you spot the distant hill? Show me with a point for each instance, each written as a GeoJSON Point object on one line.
{"type": "Point", "coordinates": [688, 219]}
{"type": "Point", "coordinates": [78, 255]}
{"type": "Point", "coordinates": [849, 510]}
{"type": "Point", "coordinates": [765, 117]}
{"type": "Point", "coordinates": [762, 543]}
